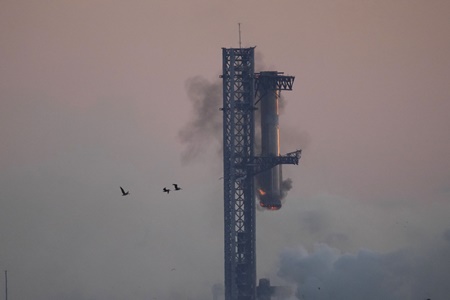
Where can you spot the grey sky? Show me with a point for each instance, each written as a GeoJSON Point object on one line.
{"type": "Point", "coordinates": [94, 94]}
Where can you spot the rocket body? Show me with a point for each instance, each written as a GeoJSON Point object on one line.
{"type": "Point", "coordinates": [269, 181]}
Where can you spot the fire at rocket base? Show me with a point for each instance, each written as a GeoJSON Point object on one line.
{"type": "Point", "coordinates": [269, 181]}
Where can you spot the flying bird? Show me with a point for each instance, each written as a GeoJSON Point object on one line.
{"type": "Point", "coordinates": [177, 188]}
{"type": "Point", "coordinates": [123, 192]}
{"type": "Point", "coordinates": [166, 190]}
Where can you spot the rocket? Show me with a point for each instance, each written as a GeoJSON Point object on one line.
{"type": "Point", "coordinates": [269, 181]}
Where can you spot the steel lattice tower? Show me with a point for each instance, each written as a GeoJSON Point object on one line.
{"type": "Point", "coordinates": [238, 150]}
{"type": "Point", "coordinates": [240, 165]}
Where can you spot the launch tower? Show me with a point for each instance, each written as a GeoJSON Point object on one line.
{"type": "Point", "coordinates": [240, 164]}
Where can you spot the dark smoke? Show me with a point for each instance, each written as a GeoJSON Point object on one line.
{"type": "Point", "coordinates": [205, 126]}
{"type": "Point", "coordinates": [286, 185]}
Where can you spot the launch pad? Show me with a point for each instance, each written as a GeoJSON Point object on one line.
{"type": "Point", "coordinates": [242, 91]}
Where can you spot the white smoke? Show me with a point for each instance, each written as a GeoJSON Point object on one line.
{"type": "Point", "coordinates": [327, 273]}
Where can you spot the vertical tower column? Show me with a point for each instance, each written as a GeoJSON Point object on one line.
{"type": "Point", "coordinates": [238, 152]}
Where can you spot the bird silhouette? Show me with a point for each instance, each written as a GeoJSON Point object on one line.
{"type": "Point", "coordinates": [166, 190]}
{"type": "Point", "coordinates": [123, 192]}
{"type": "Point", "coordinates": [177, 188]}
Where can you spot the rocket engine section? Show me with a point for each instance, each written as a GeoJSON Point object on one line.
{"type": "Point", "coordinates": [269, 181]}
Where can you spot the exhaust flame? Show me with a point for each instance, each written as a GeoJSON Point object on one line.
{"type": "Point", "coordinates": [269, 207]}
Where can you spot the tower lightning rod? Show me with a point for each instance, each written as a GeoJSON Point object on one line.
{"type": "Point", "coordinates": [239, 25]}
{"type": "Point", "coordinates": [6, 285]}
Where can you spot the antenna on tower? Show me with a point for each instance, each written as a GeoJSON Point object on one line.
{"type": "Point", "coordinates": [6, 285]}
{"type": "Point", "coordinates": [239, 25]}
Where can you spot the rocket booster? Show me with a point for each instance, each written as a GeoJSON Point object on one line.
{"type": "Point", "coordinates": [269, 181]}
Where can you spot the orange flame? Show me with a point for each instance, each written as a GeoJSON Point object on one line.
{"type": "Point", "coordinates": [261, 192]}
{"type": "Point", "coordinates": [269, 207]}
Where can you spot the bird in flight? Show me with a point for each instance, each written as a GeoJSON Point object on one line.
{"type": "Point", "coordinates": [166, 190]}
{"type": "Point", "coordinates": [123, 192]}
{"type": "Point", "coordinates": [177, 188]}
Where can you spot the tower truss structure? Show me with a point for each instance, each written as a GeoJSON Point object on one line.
{"type": "Point", "coordinates": [238, 151]}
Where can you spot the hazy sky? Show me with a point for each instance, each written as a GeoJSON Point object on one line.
{"type": "Point", "coordinates": [94, 95]}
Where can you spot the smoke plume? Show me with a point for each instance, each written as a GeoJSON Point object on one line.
{"type": "Point", "coordinates": [286, 185]}
{"type": "Point", "coordinates": [327, 273]}
{"type": "Point", "coordinates": [205, 125]}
